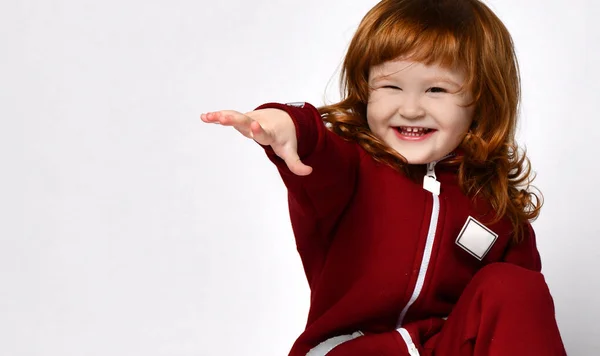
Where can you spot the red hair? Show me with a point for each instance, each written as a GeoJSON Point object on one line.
{"type": "Point", "coordinates": [462, 34]}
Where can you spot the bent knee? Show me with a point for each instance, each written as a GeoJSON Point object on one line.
{"type": "Point", "coordinates": [506, 281]}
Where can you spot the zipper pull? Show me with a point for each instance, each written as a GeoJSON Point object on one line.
{"type": "Point", "coordinates": [430, 182]}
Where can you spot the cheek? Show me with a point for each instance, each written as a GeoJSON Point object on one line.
{"type": "Point", "coordinates": [372, 120]}
{"type": "Point", "coordinates": [369, 116]}
{"type": "Point", "coordinates": [464, 123]}
{"type": "Point", "coordinates": [379, 109]}
{"type": "Point", "coordinates": [374, 115]}
{"type": "Point", "coordinates": [467, 116]}
{"type": "Point", "coordinates": [459, 121]}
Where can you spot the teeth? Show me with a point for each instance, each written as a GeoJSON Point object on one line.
{"type": "Point", "coordinates": [412, 131]}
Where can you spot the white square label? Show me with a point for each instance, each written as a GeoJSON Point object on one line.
{"type": "Point", "coordinates": [476, 238]}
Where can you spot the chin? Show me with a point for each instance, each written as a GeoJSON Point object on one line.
{"type": "Point", "coordinates": [412, 158]}
{"type": "Point", "coordinates": [419, 156]}
{"type": "Point", "coordinates": [423, 160]}
{"type": "Point", "coordinates": [417, 161]}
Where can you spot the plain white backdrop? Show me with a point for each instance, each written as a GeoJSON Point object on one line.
{"type": "Point", "coordinates": [129, 227]}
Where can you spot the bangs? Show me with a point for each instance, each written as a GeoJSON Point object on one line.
{"type": "Point", "coordinates": [429, 46]}
{"type": "Point", "coordinates": [438, 32]}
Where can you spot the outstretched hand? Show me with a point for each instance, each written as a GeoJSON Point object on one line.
{"type": "Point", "coordinates": [268, 127]}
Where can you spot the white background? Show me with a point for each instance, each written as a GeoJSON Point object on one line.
{"type": "Point", "coordinates": [129, 227]}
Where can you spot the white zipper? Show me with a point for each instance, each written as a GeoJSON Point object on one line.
{"type": "Point", "coordinates": [430, 181]}
{"type": "Point", "coordinates": [412, 349]}
{"type": "Point", "coordinates": [431, 184]}
{"type": "Point", "coordinates": [435, 211]}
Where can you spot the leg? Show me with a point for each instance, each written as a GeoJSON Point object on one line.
{"type": "Point", "coordinates": [505, 310]}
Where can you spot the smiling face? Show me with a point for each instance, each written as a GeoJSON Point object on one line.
{"type": "Point", "coordinates": [418, 110]}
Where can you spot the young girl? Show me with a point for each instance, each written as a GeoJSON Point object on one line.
{"type": "Point", "coordinates": [409, 199]}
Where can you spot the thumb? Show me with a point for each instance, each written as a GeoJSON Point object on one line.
{"type": "Point", "coordinates": [292, 160]}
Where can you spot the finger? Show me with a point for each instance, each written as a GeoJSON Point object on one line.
{"type": "Point", "coordinates": [260, 135]}
{"type": "Point", "coordinates": [207, 117]}
{"type": "Point", "coordinates": [225, 117]}
{"type": "Point", "coordinates": [233, 118]}
{"type": "Point", "coordinates": [236, 119]}
{"type": "Point", "coordinates": [239, 121]}
{"type": "Point", "coordinates": [242, 127]}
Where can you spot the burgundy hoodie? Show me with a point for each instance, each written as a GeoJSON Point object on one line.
{"type": "Point", "coordinates": [379, 251]}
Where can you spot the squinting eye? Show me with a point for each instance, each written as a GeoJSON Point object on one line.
{"type": "Point", "coordinates": [391, 87]}
{"type": "Point", "coordinates": [437, 90]}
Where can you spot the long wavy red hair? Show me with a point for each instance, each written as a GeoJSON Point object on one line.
{"type": "Point", "coordinates": [463, 34]}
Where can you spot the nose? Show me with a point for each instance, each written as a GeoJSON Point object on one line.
{"type": "Point", "coordinates": [410, 107]}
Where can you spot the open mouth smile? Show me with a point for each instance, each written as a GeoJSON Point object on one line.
{"type": "Point", "coordinates": [411, 133]}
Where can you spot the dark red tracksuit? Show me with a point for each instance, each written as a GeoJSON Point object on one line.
{"type": "Point", "coordinates": [380, 254]}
